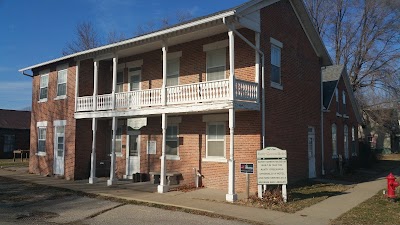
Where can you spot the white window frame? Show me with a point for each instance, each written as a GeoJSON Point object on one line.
{"type": "Point", "coordinates": [216, 158]}
{"type": "Point", "coordinates": [44, 74]}
{"type": "Point", "coordinates": [334, 141]}
{"type": "Point", "coordinates": [119, 87]}
{"type": "Point", "coordinates": [337, 102]}
{"type": "Point", "coordinates": [169, 75]}
{"type": "Point", "coordinates": [346, 141]}
{"type": "Point", "coordinates": [353, 142]}
{"type": "Point", "coordinates": [173, 157]}
{"type": "Point", "coordinates": [210, 51]}
{"type": "Point", "coordinates": [60, 71]}
{"type": "Point", "coordinates": [277, 45]}
{"type": "Point", "coordinates": [118, 141]}
{"type": "Point", "coordinates": [344, 102]}
{"type": "Point", "coordinates": [39, 126]}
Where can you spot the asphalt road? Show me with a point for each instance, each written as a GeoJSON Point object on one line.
{"type": "Point", "coordinates": [25, 203]}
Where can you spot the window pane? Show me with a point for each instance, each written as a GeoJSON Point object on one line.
{"type": "Point", "coordinates": [133, 151]}
{"type": "Point", "coordinates": [60, 140]}
{"type": "Point", "coordinates": [172, 80]}
{"type": "Point", "coordinates": [216, 58]}
{"type": "Point", "coordinates": [62, 89]}
{"type": "Point", "coordinates": [275, 74]}
{"type": "Point", "coordinates": [216, 148]}
{"type": "Point", "coordinates": [120, 77]}
{"type": "Point", "coordinates": [44, 80]}
{"type": "Point", "coordinates": [134, 82]}
{"type": "Point", "coordinates": [42, 133]}
{"type": "Point", "coordinates": [173, 67]}
{"type": "Point", "coordinates": [119, 88]}
{"type": "Point", "coordinates": [212, 131]}
{"type": "Point", "coordinates": [172, 131]}
{"type": "Point", "coordinates": [43, 93]}
{"type": "Point", "coordinates": [118, 146]}
{"type": "Point", "coordinates": [220, 131]}
{"type": "Point", "coordinates": [62, 76]}
{"type": "Point", "coordinates": [275, 56]}
{"type": "Point", "coordinates": [216, 73]}
{"type": "Point", "coordinates": [60, 130]}
{"type": "Point", "coordinates": [41, 146]}
{"type": "Point", "coordinates": [172, 147]}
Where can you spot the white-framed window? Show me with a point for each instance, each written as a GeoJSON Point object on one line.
{"type": "Point", "coordinates": [62, 83]}
{"type": "Point", "coordinates": [344, 102]}
{"type": "Point", "coordinates": [346, 141]}
{"type": "Point", "coordinates": [118, 140]}
{"type": "Point", "coordinates": [120, 81]}
{"type": "Point", "coordinates": [334, 141]}
{"type": "Point", "coordinates": [337, 100]}
{"type": "Point", "coordinates": [353, 142]}
{"type": "Point", "coordinates": [134, 78]}
{"type": "Point", "coordinates": [215, 140]}
{"type": "Point", "coordinates": [9, 142]}
{"type": "Point", "coordinates": [44, 83]}
{"type": "Point", "coordinates": [172, 140]}
{"type": "Point", "coordinates": [173, 71]}
{"type": "Point", "coordinates": [216, 64]}
{"type": "Point", "coordinates": [41, 140]}
{"type": "Point", "coordinates": [276, 64]}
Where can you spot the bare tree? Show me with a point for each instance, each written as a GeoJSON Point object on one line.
{"type": "Point", "coordinates": [364, 35]}
{"type": "Point", "coordinates": [183, 15]}
{"type": "Point", "coordinates": [114, 36]}
{"type": "Point", "coordinates": [86, 38]}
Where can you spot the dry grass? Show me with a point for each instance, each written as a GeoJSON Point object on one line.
{"type": "Point", "coordinates": [300, 196]}
{"type": "Point", "coordinates": [376, 210]}
{"type": "Point", "coordinates": [4, 163]}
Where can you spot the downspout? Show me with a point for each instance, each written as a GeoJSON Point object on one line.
{"type": "Point", "coordinates": [262, 78]}
{"type": "Point", "coordinates": [322, 127]}
{"type": "Point", "coordinates": [28, 75]}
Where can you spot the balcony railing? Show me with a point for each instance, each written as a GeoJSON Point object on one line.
{"type": "Point", "coordinates": [180, 94]}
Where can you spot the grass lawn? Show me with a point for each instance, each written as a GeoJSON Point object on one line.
{"type": "Point", "coordinates": [9, 163]}
{"type": "Point", "coordinates": [376, 210]}
{"type": "Point", "coordinates": [300, 196]}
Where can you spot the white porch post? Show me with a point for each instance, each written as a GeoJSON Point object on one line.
{"type": "Point", "coordinates": [163, 187]}
{"type": "Point", "coordinates": [77, 84]}
{"type": "Point", "coordinates": [231, 196]}
{"type": "Point", "coordinates": [95, 84]}
{"type": "Point", "coordinates": [112, 167]}
{"type": "Point", "coordinates": [114, 80]}
{"type": "Point", "coordinates": [257, 65]}
{"type": "Point", "coordinates": [164, 85]}
{"type": "Point", "coordinates": [92, 178]}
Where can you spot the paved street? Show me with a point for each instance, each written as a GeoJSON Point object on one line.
{"type": "Point", "coordinates": [25, 203]}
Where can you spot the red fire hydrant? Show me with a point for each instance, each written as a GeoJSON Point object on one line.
{"type": "Point", "coordinates": [391, 186]}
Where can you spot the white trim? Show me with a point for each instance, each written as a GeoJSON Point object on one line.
{"type": "Point", "coordinates": [172, 157]}
{"type": "Point", "coordinates": [136, 63]}
{"type": "Point", "coordinates": [60, 97]}
{"type": "Point", "coordinates": [224, 140]}
{"type": "Point", "coordinates": [275, 42]}
{"type": "Point", "coordinates": [41, 124]}
{"type": "Point", "coordinates": [173, 55]}
{"type": "Point", "coordinates": [276, 85]}
{"type": "Point", "coordinates": [59, 69]}
{"type": "Point", "coordinates": [40, 153]}
{"type": "Point", "coordinates": [216, 159]}
{"type": "Point", "coordinates": [59, 123]}
{"type": "Point", "coordinates": [216, 45]}
{"type": "Point", "coordinates": [216, 118]}
{"type": "Point", "coordinates": [103, 57]}
{"type": "Point", "coordinates": [338, 114]}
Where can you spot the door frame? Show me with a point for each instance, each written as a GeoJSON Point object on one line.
{"type": "Point", "coordinates": [311, 160]}
{"type": "Point", "coordinates": [127, 157]}
{"type": "Point", "coordinates": [55, 149]}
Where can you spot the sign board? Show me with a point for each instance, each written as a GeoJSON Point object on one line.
{"type": "Point", "coordinates": [271, 166]}
{"type": "Point", "coordinates": [247, 168]}
{"type": "Point", "coordinates": [151, 147]}
{"type": "Point", "coordinates": [137, 123]}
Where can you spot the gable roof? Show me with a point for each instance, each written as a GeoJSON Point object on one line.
{"type": "Point", "coordinates": [330, 77]}
{"type": "Point", "coordinates": [238, 12]}
{"type": "Point", "coordinates": [13, 119]}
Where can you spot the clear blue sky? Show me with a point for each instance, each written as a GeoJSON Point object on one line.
{"type": "Point", "coordinates": [37, 31]}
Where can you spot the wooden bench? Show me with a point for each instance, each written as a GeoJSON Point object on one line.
{"type": "Point", "coordinates": [21, 152]}
{"type": "Point", "coordinates": [172, 177]}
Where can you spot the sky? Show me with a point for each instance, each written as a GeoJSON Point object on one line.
{"type": "Point", "coordinates": [37, 31]}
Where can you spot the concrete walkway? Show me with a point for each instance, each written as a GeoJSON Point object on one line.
{"type": "Point", "coordinates": [320, 213]}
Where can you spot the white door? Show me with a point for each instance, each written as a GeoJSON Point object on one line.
{"type": "Point", "coordinates": [311, 153]}
{"type": "Point", "coordinates": [133, 153]}
{"type": "Point", "coordinates": [59, 149]}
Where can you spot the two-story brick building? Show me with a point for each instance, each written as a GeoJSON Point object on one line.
{"type": "Point", "coordinates": [202, 95]}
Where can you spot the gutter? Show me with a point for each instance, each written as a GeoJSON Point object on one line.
{"type": "Point", "coordinates": [262, 77]}
{"type": "Point", "coordinates": [25, 74]}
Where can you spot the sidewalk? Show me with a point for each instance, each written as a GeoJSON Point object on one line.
{"type": "Point", "coordinates": [321, 213]}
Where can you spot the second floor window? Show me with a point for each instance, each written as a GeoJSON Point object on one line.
{"type": "Point", "coordinates": [276, 64]}
{"type": "Point", "coordinates": [120, 81]}
{"type": "Point", "coordinates": [216, 63]}
{"type": "Point", "coordinates": [44, 82]}
{"type": "Point", "coordinates": [62, 83]}
{"type": "Point", "coordinates": [337, 100]}
{"type": "Point", "coordinates": [334, 141]}
{"type": "Point", "coordinates": [134, 78]}
{"type": "Point", "coordinates": [344, 102]}
{"type": "Point", "coordinates": [173, 72]}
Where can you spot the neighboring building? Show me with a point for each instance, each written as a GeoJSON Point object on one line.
{"type": "Point", "coordinates": [341, 117]}
{"type": "Point", "coordinates": [187, 97]}
{"type": "Point", "coordinates": [14, 131]}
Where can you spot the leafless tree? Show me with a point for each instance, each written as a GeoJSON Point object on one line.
{"type": "Point", "coordinates": [115, 36]}
{"type": "Point", "coordinates": [364, 35]}
{"type": "Point", "coordinates": [86, 38]}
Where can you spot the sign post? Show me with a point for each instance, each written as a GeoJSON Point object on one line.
{"type": "Point", "coordinates": [272, 169]}
{"type": "Point", "coordinates": [247, 168]}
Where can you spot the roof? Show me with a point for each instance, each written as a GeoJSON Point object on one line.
{"type": "Point", "coordinates": [238, 11]}
{"type": "Point", "coordinates": [13, 119]}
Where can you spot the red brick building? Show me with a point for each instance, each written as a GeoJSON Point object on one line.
{"type": "Point", "coordinates": [203, 95]}
{"type": "Point", "coordinates": [341, 118]}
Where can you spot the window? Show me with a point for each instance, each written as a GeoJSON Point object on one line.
{"type": "Point", "coordinates": [216, 62]}
{"type": "Point", "coordinates": [172, 140]}
{"type": "Point", "coordinates": [118, 140]}
{"type": "Point", "coordinates": [216, 140]}
{"type": "Point", "coordinates": [120, 81]}
{"type": "Point", "coordinates": [60, 137]}
{"type": "Point", "coordinates": [44, 82]}
{"type": "Point", "coordinates": [276, 64]}
{"type": "Point", "coordinates": [334, 141]}
{"type": "Point", "coordinates": [134, 78]}
{"type": "Point", "coordinates": [337, 100]}
{"type": "Point", "coordinates": [41, 140]}
{"type": "Point", "coordinates": [344, 102]}
{"type": "Point", "coordinates": [346, 142]}
{"type": "Point", "coordinates": [353, 142]}
{"type": "Point", "coordinates": [62, 83]}
{"type": "Point", "coordinates": [9, 142]}
{"type": "Point", "coordinates": [173, 72]}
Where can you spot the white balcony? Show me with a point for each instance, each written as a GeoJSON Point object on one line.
{"type": "Point", "coordinates": [203, 92]}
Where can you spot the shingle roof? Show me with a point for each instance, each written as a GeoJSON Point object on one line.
{"type": "Point", "coordinates": [13, 119]}
{"type": "Point", "coordinates": [330, 78]}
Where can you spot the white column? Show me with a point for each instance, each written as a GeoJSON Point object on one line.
{"type": "Point", "coordinates": [231, 196]}
{"type": "Point", "coordinates": [77, 84]}
{"type": "Point", "coordinates": [95, 84]}
{"type": "Point", "coordinates": [112, 167]}
{"type": "Point", "coordinates": [114, 80]}
{"type": "Point", "coordinates": [231, 64]}
{"type": "Point", "coordinates": [164, 85]}
{"type": "Point", "coordinates": [163, 187]}
{"type": "Point", "coordinates": [92, 178]}
{"type": "Point", "coordinates": [257, 65]}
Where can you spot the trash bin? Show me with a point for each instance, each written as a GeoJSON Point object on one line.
{"type": "Point", "coordinates": [136, 177]}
